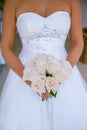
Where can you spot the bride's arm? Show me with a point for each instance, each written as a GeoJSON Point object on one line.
{"type": "Point", "coordinates": [8, 36]}
{"type": "Point", "coordinates": [75, 33]}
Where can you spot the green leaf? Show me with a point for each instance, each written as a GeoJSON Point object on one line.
{"type": "Point", "coordinates": [53, 94]}
{"type": "Point", "coordinates": [48, 74]}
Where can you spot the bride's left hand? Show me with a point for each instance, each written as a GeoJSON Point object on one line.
{"type": "Point", "coordinates": [28, 82]}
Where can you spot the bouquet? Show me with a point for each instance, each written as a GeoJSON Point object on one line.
{"type": "Point", "coordinates": [46, 73]}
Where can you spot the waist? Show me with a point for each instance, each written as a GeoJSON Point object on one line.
{"type": "Point", "coordinates": [52, 46]}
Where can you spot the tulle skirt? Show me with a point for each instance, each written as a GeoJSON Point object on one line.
{"type": "Point", "coordinates": [22, 109]}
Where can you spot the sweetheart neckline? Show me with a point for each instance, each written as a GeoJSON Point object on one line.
{"type": "Point", "coordinates": [22, 14]}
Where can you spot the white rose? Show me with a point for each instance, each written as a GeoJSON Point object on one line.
{"type": "Point", "coordinates": [61, 76]}
{"type": "Point", "coordinates": [43, 57]}
{"type": "Point", "coordinates": [64, 72]}
{"type": "Point", "coordinates": [53, 67]}
{"type": "Point", "coordinates": [40, 57]}
{"type": "Point", "coordinates": [38, 85]}
{"type": "Point", "coordinates": [41, 67]}
{"type": "Point", "coordinates": [51, 84]}
{"type": "Point", "coordinates": [29, 72]}
{"type": "Point", "coordinates": [65, 64]}
{"type": "Point", "coordinates": [31, 75]}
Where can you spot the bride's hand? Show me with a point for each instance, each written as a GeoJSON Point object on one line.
{"type": "Point", "coordinates": [28, 82]}
{"type": "Point", "coordinates": [46, 95]}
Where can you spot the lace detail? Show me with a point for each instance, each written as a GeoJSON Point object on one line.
{"type": "Point", "coordinates": [46, 32]}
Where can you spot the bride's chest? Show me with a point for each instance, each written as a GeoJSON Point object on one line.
{"type": "Point", "coordinates": [33, 25]}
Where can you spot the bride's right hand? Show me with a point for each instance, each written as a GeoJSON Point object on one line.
{"type": "Point", "coordinates": [44, 95]}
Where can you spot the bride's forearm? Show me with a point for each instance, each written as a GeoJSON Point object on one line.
{"type": "Point", "coordinates": [12, 60]}
{"type": "Point", "coordinates": [75, 53]}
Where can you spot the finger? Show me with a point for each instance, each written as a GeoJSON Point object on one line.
{"type": "Point", "coordinates": [28, 82]}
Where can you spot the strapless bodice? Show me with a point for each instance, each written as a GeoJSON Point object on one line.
{"type": "Point", "coordinates": [43, 34]}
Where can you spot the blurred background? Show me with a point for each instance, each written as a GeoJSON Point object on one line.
{"type": "Point", "coordinates": [82, 64]}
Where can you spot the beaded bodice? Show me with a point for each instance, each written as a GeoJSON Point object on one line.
{"type": "Point", "coordinates": [43, 34]}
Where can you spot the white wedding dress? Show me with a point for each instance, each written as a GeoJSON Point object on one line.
{"type": "Point", "coordinates": [20, 107]}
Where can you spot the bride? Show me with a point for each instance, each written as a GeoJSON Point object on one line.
{"type": "Point", "coordinates": [43, 26]}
